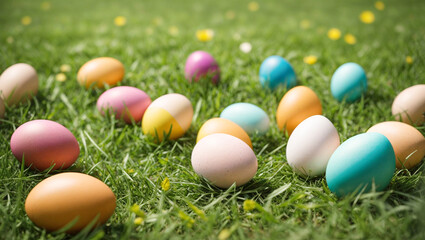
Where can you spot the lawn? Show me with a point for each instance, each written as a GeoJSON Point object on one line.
{"type": "Point", "coordinates": [153, 45]}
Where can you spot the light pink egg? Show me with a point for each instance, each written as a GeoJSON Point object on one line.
{"type": "Point", "coordinates": [44, 143]}
{"type": "Point", "coordinates": [125, 102]}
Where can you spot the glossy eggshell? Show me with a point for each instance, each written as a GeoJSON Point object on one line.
{"type": "Point", "coordinates": [407, 141]}
{"type": "Point", "coordinates": [62, 198]}
{"type": "Point", "coordinates": [223, 160]}
{"type": "Point", "coordinates": [127, 103]}
{"type": "Point", "coordinates": [18, 83]}
{"type": "Point", "coordinates": [201, 64]}
{"type": "Point", "coordinates": [250, 117]}
{"type": "Point", "coordinates": [359, 163]}
{"type": "Point", "coordinates": [349, 82]}
{"type": "Point", "coordinates": [221, 125]}
{"type": "Point", "coordinates": [311, 145]}
{"type": "Point", "coordinates": [297, 104]}
{"type": "Point", "coordinates": [43, 143]}
{"type": "Point", "coordinates": [409, 105]}
{"type": "Point", "coordinates": [100, 71]}
{"type": "Point", "coordinates": [2, 109]}
{"type": "Point", "coordinates": [275, 71]}
{"type": "Point", "coordinates": [169, 114]}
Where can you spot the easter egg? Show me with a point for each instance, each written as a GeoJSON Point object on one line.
{"type": "Point", "coordinates": [70, 199]}
{"type": "Point", "coordinates": [43, 144]}
{"type": "Point", "coordinates": [1, 108]}
{"type": "Point", "coordinates": [349, 82]}
{"type": "Point", "coordinates": [221, 125]}
{"type": "Point", "coordinates": [361, 162]}
{"type": "Point", "coordinates": [169, 115]}
{"type": "Point", "coordinates": [127, 103]}
{"type": "Point", "coordinates": [408, 143]}
{"type": "Point", "coordinates": [223, 160]}
{"type": "Point", "coordinates": [201, 64]}
{"type": "Point", "coordinates": [18, 83]}
{"type": "Point", "coordinates": [276, 71]}
{"type": "Point", "coordinates": [100, 71]}
{"type": "Point", "coordinates": [297, 104]}
{"type": "Point", "coordinates": [409, 105]}
{"type": "Point", "coordinates": [311, 145]}
{"type": "Point", "coordinates": [249, 116]}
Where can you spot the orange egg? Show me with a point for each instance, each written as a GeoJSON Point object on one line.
{"type": "Point", "coordinates": [297, 104]}
{"type": "Point", "coordinates": [70, 198]}
{"type": "Point", "coordinates": [221, 125]}
{"type": "Point", "coordinates": [407, 141]}
{"type": "Point", "coordinates": [100, 71]}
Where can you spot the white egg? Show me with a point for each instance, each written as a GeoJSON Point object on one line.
{"type": "Point", "coordinates": [18, 83]}
{"type": "Point", "coordinates": [311, 145]}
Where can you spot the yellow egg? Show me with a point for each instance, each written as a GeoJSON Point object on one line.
{"type": "Point", "coordinates": [221, 125]}
{"type": "Point", "coordinates": [169, 115]}
{"type": "Point", "coordinates": [297, 104]}
{"type": "Point", "coordinates": [70, 198]}
{"type": "Point", "coordinates": [407, 141]}
{"type": "Point", "coordinates": [100, 71]}
{"type": "Point", "coordinates": [18, 83]}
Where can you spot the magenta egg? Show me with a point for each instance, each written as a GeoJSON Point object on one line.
{"type": "Point", "coordinates": [43, 144]}
{"type": "Point", "coordinates": [201, 64]}
{"type": "Point", "coordinates": [125, 102]}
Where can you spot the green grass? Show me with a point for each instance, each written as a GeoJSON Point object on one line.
{"type": "Point", "coordinates": [133, 165]}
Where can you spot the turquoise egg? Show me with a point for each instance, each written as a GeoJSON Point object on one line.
{"type": "Point", "coordinates": [276, 71]}
{"type": "Point", "coordinates": [349, 82]}
{"type": "Point", "coordinates": [360, 162]}
{"type": "Point", "coordinates": [249, 116]}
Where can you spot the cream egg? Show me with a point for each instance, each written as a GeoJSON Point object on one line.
{"type": "Point", "coordinates": [18, 83]}
{"type": "Point", "coordinates": [409, 105]}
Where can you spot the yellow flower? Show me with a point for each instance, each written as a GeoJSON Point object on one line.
{"type": "Point", "coordinates": [60, 77]}
{"type": "Point", "coordinates": [45, 6]}
{"type": "Point", "coordinates": [253, 6]}
{"type": "Point", "coordinates": [367, 17]}
{"type": "Point", "coordinates": [138, 221]}
{"type": "Point", "coordinates": [205, 35]}
{"type": "Point", "coordinates": [157, 21]}
{"type": "Point", "coordinates": [149, 31]}
{"type": "Point", "coordinates": [310, 59]}
{"type": "Point", "coordinates": [230, 15]}
{"type": "Point", "coordinates": [379, 5]}
{"type": "Point", "coordinates": [130, 170]}
{"type": "Point", "coordinates": [409, 60]}
{"type": "Point", "coordinates": [173, 30]}
{"type": "Point", "coordinates": [305, 24]}
{"type": "Point", "coordinates": [249, 205]}
{"type": "Point", "coordinates": [65, 68]}
{"type": "Point", "coordinates": [165, 184]}
{"type": "Point", "coordinates": [26, 20]}
{"type": "Point", "coordinates": [350, 39]}
{"type": "Point", "coordinates": [224, 234]}
{"type": "Point", "coordinates": [136, 209]}
{"type": "Point", "coordinates": [10, 40]}
{"type": "Point", "coordinates": [120, 21]}
{"type": "Point", "coordinates": [334, 33]}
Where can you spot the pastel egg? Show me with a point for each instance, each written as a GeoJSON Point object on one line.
{"type": "Point", "coordinates": [361, 162]}
{"type": "Point", "coordinates": [349, 82]}
{"type": "Point", "coordinates": [201, 64]}
{"type": "Point", "coordinates": [275, 71]}
{"type": "Point", "coordinates": [297, 104]}
{"type": "Point", "coordinates": [223, 160]}
{"type": "Point", "coordinates": [169, 115]}
{"type": "Point", "coordinates": [18, 83]}
{"type": "Point", "coordinates": [70, 198]}
{"type": "Point", "coordinates": [2, 109]}
{"type": "Point", "coordinates": [409, 105]}
{"type": "Point", "coordinates": [127, 103]}
{"type": "Point", "coordinates": [221, 125]}
{"type": "Point", "coordinates": [311, 145]}
{"type": "Point", "coordinates": [43, 144]}
{"type": "Point", "coordinates": [407, 141]}
{"type": "Point", "coordinates": [100, 71]}
{"type": "Point", "coordinates": [248, 116]}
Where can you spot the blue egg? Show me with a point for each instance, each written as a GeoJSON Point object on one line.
{"type": "Point", "coordinates": [276, 71]}
{"type": "Point", "coordinates": [360, 162]}
{"type": "Point", "coordinates": [349, 82]}
{"type": "Point", "coordinates": [250, 117]}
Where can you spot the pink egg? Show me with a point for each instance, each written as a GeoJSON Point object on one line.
{"type": "Point", "coordinates": [201, 64]}
{"type": "Point", "coordinates": [44, 143]}
{"type": "Point", "coordinates": [126, 102]}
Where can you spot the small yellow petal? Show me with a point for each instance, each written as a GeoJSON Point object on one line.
{"type": "Point", "coordinates": [26, 20]}
{"type": "Point", "coordinates": [130, 170]}
{"type": "Point", "coordinates": [350, 39]}
{"type": "Point", "coordinates": [10, 40]}
{"type": "Point", "coordinates": [138, 221]}
{"type": "Point", "coordinates": [379, 5]}
{"type": "Point", "coordinates": [173, 30]}
{"type": "Point", "coordinates": [46, 6]}
{"type": "Point", "coordinates": [120, 21]}
{"type": "Point", "coordinates": [409, 60]}
{"type": "Point", "coordinates": [334, 33]}
{"type": "Point", "coordinates": [205, 35]}
{"type": "Point", "coordinates": [230, 15]}
{"type": "Point", "coordinates": [224, 234]}
{"type": "Point", "coordinates": [310, 59]}
{"type": "Point", "coordinates": [253, 6]}
{"type": "Point", "coordinates": [65, 68]}
{"type": "Point", "coordinates": [367, 17]}
{"type": "Point", "coordinates": [165, 184]}
{"type": "Point", "coordinates": [249, 205]}
{"type": "Point", "coordinates": [149, 31]}
{"type": "Point", "coordinates": [305, 24]}
{"type": "Point", "coordinates": [60, 77]}
{"type": "Point", "coordinates": [157, 21]}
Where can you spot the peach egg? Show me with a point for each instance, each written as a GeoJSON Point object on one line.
{"type": "Point", "coordinates": [100, 71]}
{"type": "Point", "coordinates": [221, 125]}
